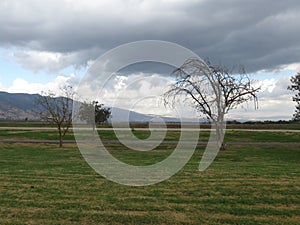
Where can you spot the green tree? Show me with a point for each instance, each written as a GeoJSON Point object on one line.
{"type": "Point", "coordinates": [93, 113]}
{"type": "Point", "coordinates": [295, 86]}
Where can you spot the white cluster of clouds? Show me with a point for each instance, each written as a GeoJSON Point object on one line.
{"type": "Point", "coordinates": [138, 92]}
{"type": "Point", "coordinates": [40, 60]}
{"type": "Point", "coordinates": [21, 85]}
{"type": "Point", "coordinates": [274, 102]}
{"type": "Point", "coordinates": [52, 62]}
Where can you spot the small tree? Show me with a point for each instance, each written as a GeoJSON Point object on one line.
{"type": "Point", "coordinates": [57, 110]}
{"type": "Point", "coordinates": [93, 113]}
{"type": "Point", "coordinates": [101, 114]}
{"type": "Point", "coordinates": [295, 80]}
{"type": "Point", "coordinates": [212, 90]}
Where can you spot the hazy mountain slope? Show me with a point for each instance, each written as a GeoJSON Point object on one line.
{"type": "Point", "coordinates": [17, 106]}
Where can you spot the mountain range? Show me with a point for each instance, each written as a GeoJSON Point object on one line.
{"type": "Point", "coordinates": [21, 106]}
{"type": "Point", "coordinates": [17, 106]}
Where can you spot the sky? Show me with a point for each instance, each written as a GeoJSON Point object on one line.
{"type": "Point", "coordinates": [47, 44]}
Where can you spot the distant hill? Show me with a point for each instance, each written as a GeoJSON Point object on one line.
{"type": "Point", "coordinates": [120, 115]}
{"type": "Point", "coordinates": [22, 106]}
{"type": "Point", "coordinates": [17, 106]}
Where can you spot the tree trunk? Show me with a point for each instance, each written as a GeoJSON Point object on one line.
{"type": "Point", "coordinates": [60, 137]}
{"type": "Point", "coordinates": [220, 126]}
{"type": "Point", "coordinates": [60, 141]}
{"type": "Point", "coordinates": [94, 127]}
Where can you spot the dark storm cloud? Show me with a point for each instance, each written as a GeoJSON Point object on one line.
{"type": "Point", "coordinates": [258, 34]}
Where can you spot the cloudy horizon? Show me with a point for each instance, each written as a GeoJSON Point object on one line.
{"type": "Point", "coordinates": [44, 44]}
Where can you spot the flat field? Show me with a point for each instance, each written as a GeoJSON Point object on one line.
{"type": "Point", "coordinates": [246, 184]}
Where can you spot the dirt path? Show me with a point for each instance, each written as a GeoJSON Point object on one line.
{"type": "Point", "coordinates": [178, 129]}
{"type": "Point", "coordinates": [163, 143]}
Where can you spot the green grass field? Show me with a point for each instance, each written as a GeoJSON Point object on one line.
{"type": "Point", "coordinates": [44, 184]}
{"type": "Point", "coordinates": [172, 135]}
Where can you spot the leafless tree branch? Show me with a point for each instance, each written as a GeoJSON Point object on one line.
{"type": "Point", "coordinates": [213, 90]}
{"type": "Point", "coordinates": [57, 110]}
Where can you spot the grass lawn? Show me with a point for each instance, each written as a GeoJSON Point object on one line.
{"type": "Point", "coordinates": [44, 184]}
{"type": "Point", "coordinates": [172, 135]}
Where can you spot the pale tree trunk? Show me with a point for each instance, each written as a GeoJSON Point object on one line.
{"type": "Point", "coordinates": [220, 126]}
{"type": "Point", "coordinates": [94, 128]}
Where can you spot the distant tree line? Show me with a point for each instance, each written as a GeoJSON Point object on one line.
{"type": "Point", "coordinates": [262, 122]}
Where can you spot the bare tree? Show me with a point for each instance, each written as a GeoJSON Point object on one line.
{"type": "Point", "coordinates": [57, 110]}
{"type": "Point", "coordinates": [212, 90]}
{"type": "Point", "coordinates": [295, 86]}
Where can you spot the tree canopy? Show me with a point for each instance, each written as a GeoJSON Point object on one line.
{"type": "Point", "coordinates": [295, 87]}
{"type": "Point", "coordinates": [93, 113]}
{"type": "Point", "coordinates": [213, 90]}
